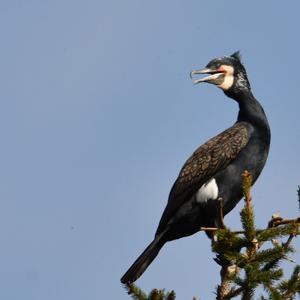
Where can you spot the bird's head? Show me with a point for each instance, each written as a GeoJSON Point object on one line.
{"type": "Point", "coordinates": [227, 73]}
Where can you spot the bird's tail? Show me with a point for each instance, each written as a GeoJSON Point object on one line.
{"type": "Point", "coordinates": [143, 261]}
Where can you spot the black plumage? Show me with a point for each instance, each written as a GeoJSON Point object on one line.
{"type": "Point", "coordinates": [214, 170]}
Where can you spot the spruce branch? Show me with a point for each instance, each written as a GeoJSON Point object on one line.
{"type": "Point", "coordinates": [291, 287]}
{"type": "Point", "coordinates": [137, 294]}
{"type": "Point", "coordinates": [241, 249]}
{"type": "Point", "coordinates": [245, 265]}
{"type": "Point", "coordinates": [247, 219]}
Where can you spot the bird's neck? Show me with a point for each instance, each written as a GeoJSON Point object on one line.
{"type": "Point", "coordinates": [250, 109]}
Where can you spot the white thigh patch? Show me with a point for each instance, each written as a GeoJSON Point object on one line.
{"type": "Point", "coordinates": [207, 191]}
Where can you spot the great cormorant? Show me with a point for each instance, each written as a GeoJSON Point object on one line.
{"type": "Point", "coordinates": [214, 170]}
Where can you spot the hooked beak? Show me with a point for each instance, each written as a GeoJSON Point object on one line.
{"type": "Point", "coordinates": [212, 78]}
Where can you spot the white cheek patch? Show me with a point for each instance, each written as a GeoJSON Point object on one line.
{"type": "Point", "coordinates": [228, 78]}
{"type": "Point", "coordinates": [227, 83]}
{"type": "Point", "coordinates": [208, 191]}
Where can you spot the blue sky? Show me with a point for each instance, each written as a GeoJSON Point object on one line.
{"type": "Point", "coordinates": [97, 116]}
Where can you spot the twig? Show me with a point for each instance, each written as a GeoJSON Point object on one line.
{"type": "Point", "coordinates": [287, 221]}
{"type": "Point", "coordinates": [209, 228]}
{"type": "Point", "coordinates": [247, 182]}
{"type": "Point", "coordinates": [220, 213]}
{"type": "Point", "coordinates": [234, 292]}
{"type": "Point", "coordinates": [289, 240]}
{"type": "Point", "coordinates": [275, 218]}
{"type": "Point", "coordinates": [274, 224]}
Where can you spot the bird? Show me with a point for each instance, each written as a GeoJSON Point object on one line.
{"type": "Point", "coordinates": [214, 170]}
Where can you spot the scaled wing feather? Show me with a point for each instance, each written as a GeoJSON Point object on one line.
{"type": "Point", "coordinates": [210, 158]}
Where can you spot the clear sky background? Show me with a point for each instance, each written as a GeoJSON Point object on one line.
{"type": "Point", "coordinates": [97, 116]}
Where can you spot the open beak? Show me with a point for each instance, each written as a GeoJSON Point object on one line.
{"type": "Point", "coordinates": [214, 75]}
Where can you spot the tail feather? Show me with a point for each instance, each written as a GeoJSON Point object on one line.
{"type": "Point", "coordinates": [143, 261]}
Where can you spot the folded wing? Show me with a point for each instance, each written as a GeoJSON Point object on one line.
{"type": "Point", "coordinates": [209, 159]}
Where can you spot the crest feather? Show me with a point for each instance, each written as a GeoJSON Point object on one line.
{"type": "Point", "coordinates": [237, 55]}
